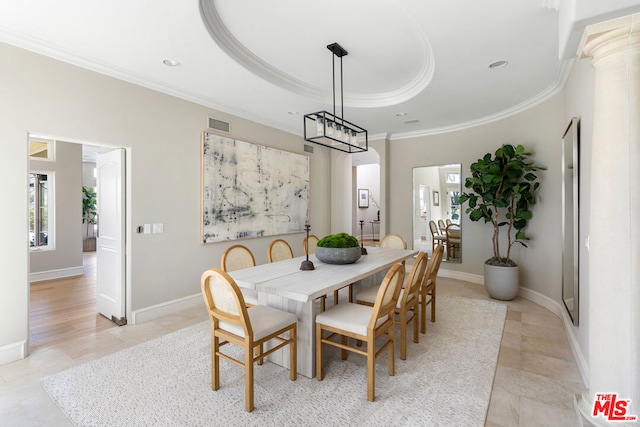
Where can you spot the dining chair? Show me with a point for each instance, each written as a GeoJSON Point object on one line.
{"type": "Point", "coordinates": [313, 242]}
{"type": "Point", "coordinates": [448, 221]}
{"type": "Point", "coordinates": [442, 226]}
{"type": "Point", "coordinates": [436, 237]}
{"type": "Point", "coordinates": [365, 324]}
{"type": "Point", "coordinates": [407, 308]}
{"type": "Point", "coordinates": [237, 257]}
{"type": "Point", "coordinates": [428, 288]}
{"type": "Point", "coordinates": [454, 240]}
{"type": "Point", "coordinates": [249, 328]}
{"type": "Point", "coordinates": [393, 241]}
{"type": "Point", "coordinates": [279, 250]}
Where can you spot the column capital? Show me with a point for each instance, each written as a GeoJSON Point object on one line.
{"type": "Point", "coordinates": [609, 37]}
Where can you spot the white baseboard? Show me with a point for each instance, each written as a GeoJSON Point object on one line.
{"type": "Point", "coordinates": [12, 352]}
{"type": "Point", "coordinates": [159, 310]}
{"type": "Point", "coordinates": [461, 275]}
{"type": "Point", "coordinates": [39, 276]}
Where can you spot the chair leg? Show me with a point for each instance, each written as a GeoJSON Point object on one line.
{"type": "Point", "coordinates": [371, 370]}
{"type": "Point", "coordinates": [392, 360]}
{"type": "Point", "coordinates": [335, 297]}
{"type": "Point", "coordinates": [351, 293]}
{"type": "Point", "coordinates": [323, 301]}
{"type": "Point", "coordinates": [248, 380]}
{"type": "Point", "coordinates": [344, 353]}
{"type": "Point", "coordinates": [433, 304]}
{"type": "Point", "coordinates": [423, 312]}
{"type": "Point", "coordinates": [293, 353]}
{"type": "Point", "coordinates": [258, 352]}
{"type": "Point", "coordinates": [215, 363]}
{"type": "Point", "coordinates": [319, 352]}
{"type": "Point", "coordinates": [403, 336]}
{"type": "Point", "coordinates": [416, 336]}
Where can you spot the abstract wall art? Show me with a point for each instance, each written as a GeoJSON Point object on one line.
{"type": "Point", "coordinates": [251, 190]}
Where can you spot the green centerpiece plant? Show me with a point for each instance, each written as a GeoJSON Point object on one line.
{"type": "Point", "coordinates": [502, 191]}
{"type": "Point", "coordinates": [339, 248]}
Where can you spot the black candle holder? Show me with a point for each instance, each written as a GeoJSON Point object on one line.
{"type": "Point", "coordinates": [307, 265]}
{"type": "Point", "coordinates": [363, 251]}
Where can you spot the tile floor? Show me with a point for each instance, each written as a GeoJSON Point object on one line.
{"type": "Point", "coordinates": [536, 378]}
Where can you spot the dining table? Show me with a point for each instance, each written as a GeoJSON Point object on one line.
{"type": "Point", "coordinates": [283, 285]}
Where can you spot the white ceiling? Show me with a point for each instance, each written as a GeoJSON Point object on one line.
{"type": "Point", "coordinates": [425, 62]}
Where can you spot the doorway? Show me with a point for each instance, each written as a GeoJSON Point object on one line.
{"type": "Point", "coordinates": [63, 276]}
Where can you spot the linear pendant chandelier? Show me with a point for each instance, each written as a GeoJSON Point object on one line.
{"type": "Point", "coordinates": [334, 131]}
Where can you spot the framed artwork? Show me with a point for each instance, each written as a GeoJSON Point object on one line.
{"type": "Point", "coordinates": [363, 198]}
{"type": "Point", "coordinates": [436, 198]}
{"type": "Point", "coordinates": [251, 190]}
{"type": "Point", "coordinates": [453, 178]}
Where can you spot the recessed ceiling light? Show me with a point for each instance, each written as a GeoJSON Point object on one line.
{"type": "Point", "coordinates": [293, 113]}
{"type": "Point", "coordinates": [171, 63]}
{"type": "Point", "coordinates": [498, 64]}
{"type": "Point", "coordinates": [401, 114]}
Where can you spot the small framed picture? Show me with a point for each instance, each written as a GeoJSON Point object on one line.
{"type": "Point", "coordinates": [363, 198]}
{"type": "Point", "coordinates": [436, 198]}
{"type": "Point", "coordinates": [453, 178]}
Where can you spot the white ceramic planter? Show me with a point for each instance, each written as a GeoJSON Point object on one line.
{"type": "Point", "coordinates": [502, 283]}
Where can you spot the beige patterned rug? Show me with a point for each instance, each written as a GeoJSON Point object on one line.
{"type": "Point", "coordinates": [446, 380]}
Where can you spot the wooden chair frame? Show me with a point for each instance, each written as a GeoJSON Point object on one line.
{"type": "Point", "coordinates": [454, 240]}
{"type": "Point", "coordinates": [313, 240]}
{"type": "Point", "coordinates": [393, 238]}
{"type": "Point", "coordinates": [384, 306]}
{"type": "Point", "coordinates": [278, 243]}
{"type": "Point", "coordinates": [428, 288]}
{"type": "Point", "coordinates": [229, 253]}
{"type": "Point", "coordinates": [253, 349]}
{"type": "Point", "coordinates": [408, 302]}
{"type": "Point", "coordinates": [436, 237]}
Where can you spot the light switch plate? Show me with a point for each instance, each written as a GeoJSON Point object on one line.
{"type": "Point", "coordinates": [158, 228]}
{"type": "Point", "coordinates": [147, 229]}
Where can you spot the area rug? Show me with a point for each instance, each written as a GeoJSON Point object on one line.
{"type": "Point", "coordinates": [446, 380]}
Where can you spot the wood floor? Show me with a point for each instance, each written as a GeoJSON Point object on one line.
{"type": "Point", "coordinates": [64, 309]}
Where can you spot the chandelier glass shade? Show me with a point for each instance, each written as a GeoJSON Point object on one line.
{"type": "Point", "coordinates": [331, 130]}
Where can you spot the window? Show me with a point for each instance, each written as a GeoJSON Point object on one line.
{"type": "Point", "coordinates": [41, 149]}
{"type": "Point", "coordinates": [40, 210]}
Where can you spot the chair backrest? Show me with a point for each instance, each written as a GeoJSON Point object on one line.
{"type": "Point", "coordinates": [453, 231]}
{"type": "Point", "coordinates": [279, 250]}
{"type": "Point", "coordinates": [313, 242]}
{"type": "Point", "coordinates": [388, 293]}
{"type": "Point", "coordinates": [442, 226]}
{"type": "Point", "coordinates": [224, 300]}
{"type": "Point", "coordinates": [415, 279]}
{"type": "Point", "coordinates": [448, 221]}
{"type": "Point", "coordinates": [434, 265]}
{"type": "Point", "coordinates": [237, 257]}
{"type": "Point", "coordinates": [393, 241]}
{"type": "Point", "coordinates": [433, 227]}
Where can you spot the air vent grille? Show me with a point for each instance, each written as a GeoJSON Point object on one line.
{"type": "Point", "coordinates": [308, 148]}
{"type": "Point", "coordinates": [220, 125]}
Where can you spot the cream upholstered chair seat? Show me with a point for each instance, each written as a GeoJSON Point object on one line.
{"type": "Point", "coordinates": [350, 317]}
{"type": "Point", "coordinates": [264, 320]}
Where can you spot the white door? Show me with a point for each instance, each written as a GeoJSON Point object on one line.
{"type": "Point", "coordinates": [110, 285]}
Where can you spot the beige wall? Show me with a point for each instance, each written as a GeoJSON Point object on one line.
{"type": "Point", "coordinates": [162, 137]}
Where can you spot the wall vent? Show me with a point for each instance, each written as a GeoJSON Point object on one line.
{"type": "Point", "coordinates": [408, 122]}
{"type": "Point", "coordinates": [220, 125]}
{"type": "Point", "coordinates": [308, 148]}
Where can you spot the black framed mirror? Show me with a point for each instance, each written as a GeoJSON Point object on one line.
{"type": "Point", "coordinates": [570, 218]}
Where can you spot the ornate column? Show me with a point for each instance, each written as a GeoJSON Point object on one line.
{"type": "Point", "coordinates": [614, 257]}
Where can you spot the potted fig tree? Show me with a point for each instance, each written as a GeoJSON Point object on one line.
{"type": "Point", "coordinates": [502, 190]}
{"type": "Point", "coordinates": [89, 217]}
